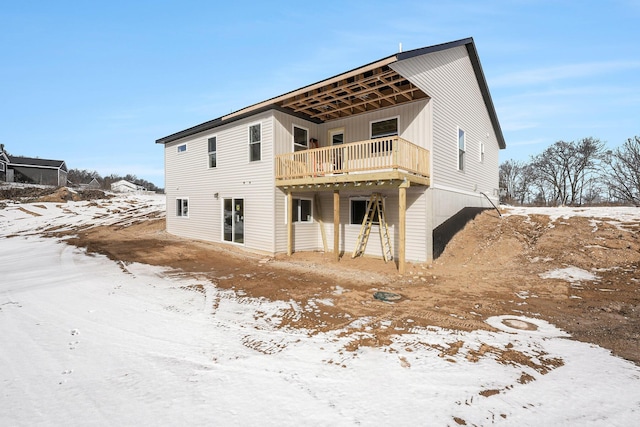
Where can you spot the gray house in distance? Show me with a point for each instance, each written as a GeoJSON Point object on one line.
{"type": "Point", "coordinates": [416, 131]}
{"type": "Point", "coordinates": [31, 170]}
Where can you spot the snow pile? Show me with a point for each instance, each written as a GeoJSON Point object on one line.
{"type": "Point", "coordinates": [618, 214]}
{"type": "Point", "coordinates": [88, 341]}
{"type": "Point", "coordinates": [570, 274]}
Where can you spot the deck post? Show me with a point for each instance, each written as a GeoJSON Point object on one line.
{"type": "Point", "coordinates": [289, 223]}
{"type": "Point", "coordinates": [336, 225]}
{"type": "Point", "coordinates": [402, 215]}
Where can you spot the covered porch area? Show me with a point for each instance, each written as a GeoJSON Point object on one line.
{"type": "Point", "coordinates": [386, 164]}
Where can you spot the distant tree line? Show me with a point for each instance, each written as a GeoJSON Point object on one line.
{"type": "Point", "coordinates": [77, 177]}
{"type": "Point", "coordinates": [575, 173]}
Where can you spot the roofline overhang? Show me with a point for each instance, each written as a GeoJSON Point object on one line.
{"type": "Point", "coordinates": [271, 104]}
{"type": "Point", "coordinates": [477, 69]}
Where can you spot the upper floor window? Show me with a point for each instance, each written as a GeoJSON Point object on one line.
{"type": "Point", "coordinates": [182, 148]}
{"type": "Point", "coordinates": [300, 138]}
{"type": "Point", "coordinates": [461, 149]}
{"type": "Point", "coordinates": [182, 207]}
{"type": "Point", "coordinates": [212, 152]}
{"type": "Point", "coordinates": [255, 139]}
{"type": "Point", "coordinates": [382, 128]}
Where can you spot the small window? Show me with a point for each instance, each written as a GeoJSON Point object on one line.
{"type": "Point", "coordinates": [212, 152]}
{"type": "Point", "coordinates": [461, 149]}
{"type": "Point", "coordinates": [388, 127]}
{"type": "Point", "coordinates": [182, 207]}
{"type": "Point", "coordinates": [482, 152]}
{"type": "Point", "coordinates": [302, 210]}
{"type": "Point", "coordinates": [255, 138]}
{"type": "Point", "coordinates": [358, 210]}
{"type": "Point", "coordinates": [300, 138]}
{"type": "Point", "coordinates": [1, 166]}
{"type": "Point", "coordinates": [182, 148]}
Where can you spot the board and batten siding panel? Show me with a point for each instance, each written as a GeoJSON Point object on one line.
{"type": "Point", "coordinates": [448, 78]}
{"type": "Point", "coordinates": [188, 175]}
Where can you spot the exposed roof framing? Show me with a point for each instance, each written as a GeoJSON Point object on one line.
{"type": "Point", "coordinates": [366, 88]}
{"type": "Point", "coordinates": [369, 90]}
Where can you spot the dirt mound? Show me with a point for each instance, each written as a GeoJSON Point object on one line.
{"type": "Point", "coordinates": [579, 274]}
{"type": "Point", "coordinates": [28, 194]}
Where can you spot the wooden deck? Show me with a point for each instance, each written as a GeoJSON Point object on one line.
{"type": "Point", "coordinates": [381, 161]}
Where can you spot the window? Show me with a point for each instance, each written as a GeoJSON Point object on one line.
{"type": "Point", "coordinates": [1, 166]}
{"type": "Point", "coordinates": [358, 210]}
{"type": "Point", "coordinates": [255, 137]}
{"type": "Point", "coordinates": [300, 138]}
{"type": "Point", "coordinates": [182, 148]}
{"type": "Point", "coordinates": [482, 152]}
{"type": "Point", "coordinates": [302, 210]}
{"type": "Point", "coordinates": [382, 128]}
{"type": "Point", "coordinates": [182, 207]}
{"type": "Point", "coordinates": [212, 152]}
{"type": "Point", "coordinates": [461, 148]}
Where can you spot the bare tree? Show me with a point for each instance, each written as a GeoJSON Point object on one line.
{"type": "Point", "coordinates": [623, 171]}
{"type": "Point", "coordinates": [563, 169]}
{"type": "Point", "coordinates": [516, 178]}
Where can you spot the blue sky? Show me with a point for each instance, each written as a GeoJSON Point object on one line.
{"type": "Point", "coordinates": [96, 83]}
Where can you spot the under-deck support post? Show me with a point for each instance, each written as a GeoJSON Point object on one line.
{"type": "Point", "coordinates": [336, 225]}
{"type": "Point", "coordinates": [402, 215]}
{"type": "Point", "coordinates": [289, 223]}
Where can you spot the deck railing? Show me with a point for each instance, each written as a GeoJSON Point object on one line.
{"type": "Point", "coordinates": [380, 154]}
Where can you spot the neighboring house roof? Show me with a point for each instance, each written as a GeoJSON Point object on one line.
{"type": "Point", "coordinates": [35, 162]}
{"type": "Point", "coordinates": [371, 86]}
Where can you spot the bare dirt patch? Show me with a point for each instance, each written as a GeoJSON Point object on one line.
{"type": "Point", "coordinates": [492, 267]}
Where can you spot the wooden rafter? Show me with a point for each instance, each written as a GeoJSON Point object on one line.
{"type": "Point", "coordinates": [376, 88]}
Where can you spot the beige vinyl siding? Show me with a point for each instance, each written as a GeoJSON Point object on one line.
{"type": "Point", "coordinates": [448, 78]}
{"type": "Point", "coordinates": [188, 175]}
{"type": "Point", "coordinates": [306, 236]}
{"type": "Point", "coordinates": [413, 124]}
{"type": "Point", "coordinates": [417, 240]}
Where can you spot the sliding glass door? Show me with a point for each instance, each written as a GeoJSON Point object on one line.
{"type": "Point", "coordinates": [234, 220]}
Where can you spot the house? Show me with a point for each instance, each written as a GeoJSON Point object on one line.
{"type": "Point", "coordinates": [418, 128]}
{"type": "Point", "coordinates": [124, 186]}
{"type": "Point", "coordinates": [94, 184]}
{"type": "Point", "coordinates": [4, 161]}
{"type": "Point", "coordinates": [30, 170]}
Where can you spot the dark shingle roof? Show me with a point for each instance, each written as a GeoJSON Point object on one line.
{"type": "Point", "coordinates": [30, 161]}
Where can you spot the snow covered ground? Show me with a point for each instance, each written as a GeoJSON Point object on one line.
{"type": "Point", "coordinates": [90, 341]}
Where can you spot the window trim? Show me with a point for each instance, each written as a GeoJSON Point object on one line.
{"type": "Point", "coordinates": [209, 152]}
{"type": "Point", "coordinates": [293, 138]}
{"type": "Point", "coordinates": [179, 146]}
{"type": "Point", "coordinates": [179, 210]}
{"type": "Point", "coordinates": [299, 210]}
{"type": "Point", "coordinates": [397, 118]}
{"type": "Point", "coordinates": [252, 143]}
{"type": "Point", "coordinates": [461, 153]}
